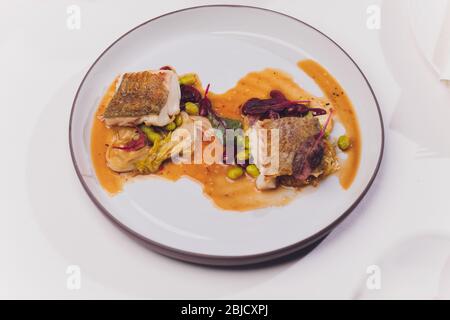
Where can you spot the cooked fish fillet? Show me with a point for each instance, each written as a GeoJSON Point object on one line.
{"type": "Point", "coordinates": [150, 97]}
{"type": "Point", "coordinates": [295, 136]}
{"type": "Point", "coordinates": [328, 164]}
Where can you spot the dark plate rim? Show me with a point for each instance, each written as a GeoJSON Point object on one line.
{"type": "Point", "coordinates": [216, 260]}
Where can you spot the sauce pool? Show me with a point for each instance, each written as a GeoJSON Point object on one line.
{"type": "Point", "coordinates": [345, 113]}
{"type": "Point", "coordinates": [111, 181]}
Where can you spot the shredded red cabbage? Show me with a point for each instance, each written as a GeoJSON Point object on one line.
{"type": "Point", "coordinates": [314, 146]}
{"type": "Point", "coordinates": [134, 145]}
{"type": "Point", "coordinates": [279, 104]}
{"type": "Point", "coordinates": [205, 104]}
{"type": "Point", "coordinates": [189, 94]}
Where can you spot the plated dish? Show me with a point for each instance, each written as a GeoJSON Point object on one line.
{"type": "Point", "coordinates": [231, 69]}
{"type": "Point", "coordinates": [256, 145]}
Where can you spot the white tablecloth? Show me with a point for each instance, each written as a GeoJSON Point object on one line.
{"type": "Point", "coordinates": [48, 223]}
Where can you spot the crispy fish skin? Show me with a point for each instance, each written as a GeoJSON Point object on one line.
{"type": "Point", "coordinates": [327, 166]}
{"type": "Point", "coordinates": [150, 97]}
{"type": "Point", "coordinates": [139, 94]}
{"type": "Point", "coordinates": [294, 132]}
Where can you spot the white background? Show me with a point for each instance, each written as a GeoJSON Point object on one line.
{"type": "Point", "coordinates": [48, 222]}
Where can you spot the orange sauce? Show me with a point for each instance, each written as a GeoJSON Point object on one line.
{"type": "Point", "coordinates": [237, 195]}
{"type": "Point", "coordinates": [101, 136]}
{"type": "Point", "coordinates": [241, 194]}
{"type": "Point", "coordinates": [345, 113]}
{"type": "Point", "coordinates": [257, 84]}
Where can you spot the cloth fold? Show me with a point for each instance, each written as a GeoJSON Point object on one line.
{"type": "Point", "coordinates": [430, 24]}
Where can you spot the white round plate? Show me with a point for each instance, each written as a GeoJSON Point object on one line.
{"type": "Point", "coordinates": [222, 44]}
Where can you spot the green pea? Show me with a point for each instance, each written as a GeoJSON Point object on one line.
{"type": "Point", "coordinates": [243, 155]}
{"type": "Point", "coordinates": [344, 142]}
{"type": "Point", "coordinates": [178, 120]}
{"type": "Point", "coordinates": [188, 79]}
{"type": "Point", "coordinates": [235, 173]}
{"type": "Point", "coordinates": [171, 126]}
{"type": "Point", "coordinates": [252, 170]}
{"type": "Point", "coordinates": [191, 108]}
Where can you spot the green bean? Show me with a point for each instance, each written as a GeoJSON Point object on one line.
{"type": "Point", "coordinates": [152, 136]}
{"type": "Point", "coordinates": [146, 129]}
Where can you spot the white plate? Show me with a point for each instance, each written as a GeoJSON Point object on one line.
{"type": "Point", "coordinates": [222, 44]}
